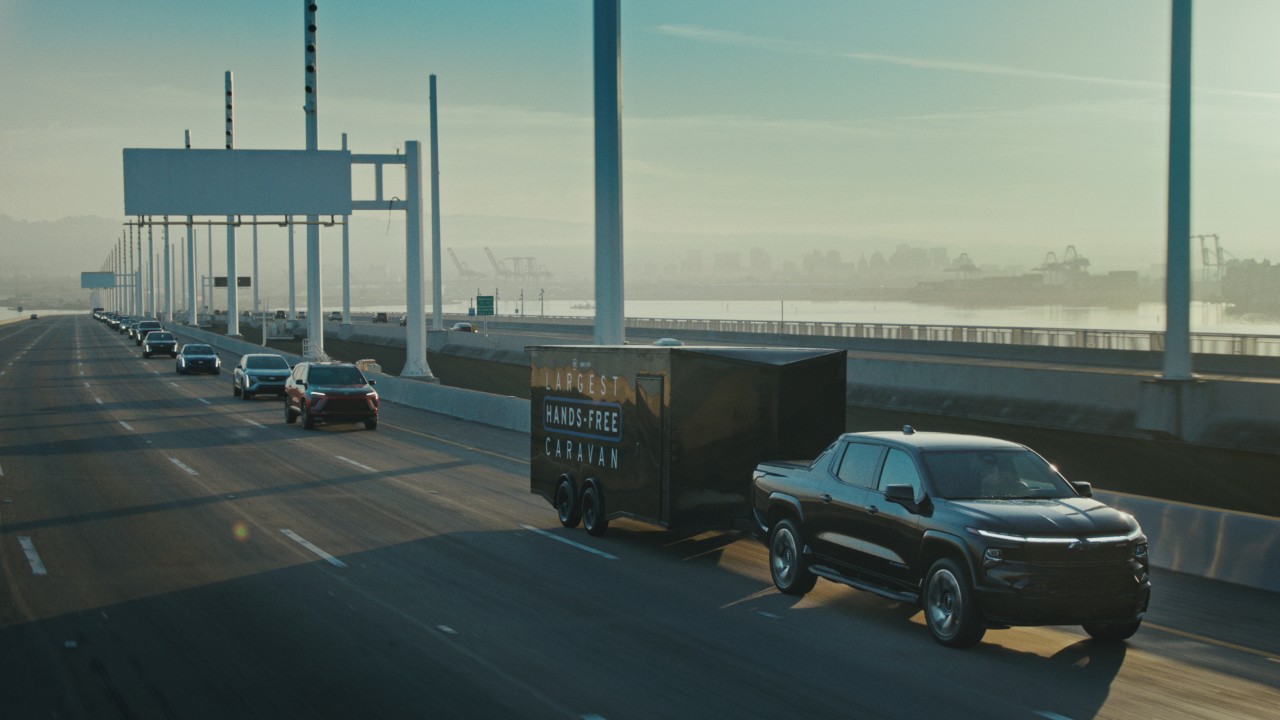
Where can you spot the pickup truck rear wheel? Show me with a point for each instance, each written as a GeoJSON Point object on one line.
{"type": "Point", "coordinates": [786, 559]}
{"type": "Point", "coordinates": [950, 609]}
{"type": "Point", "coordinates": [593, 519]}
{"type": "Point", "coordinates": [567, 506]}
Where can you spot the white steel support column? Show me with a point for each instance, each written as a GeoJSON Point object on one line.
{"type": "Point", "coordinates": [415, 362]}
{"type": "Point", "coordinates": [192, 317]}
{"type": "Point", "coordinates": [137, 277]}
{"type": "Point", "coordinates": [610, 325]}
{"type": "Point", "coordinates": [1177, 344]}
{"type": "Point", "coordinates": [437, 281]}
{"type": "Point", "coordinates": [208, 293]}
{"type": "Point", "coordinates": [168, 275]}
{"type": "Point", "coordinates": [233, 289]}
{"type": "Point", "coordinates": [256, 308]}
{"type": "Point", "coordinates": [151, 274]}
{"type": "Point", "coordinates": [293, 293]}
{"type": "Point", "coordinates": [189, 254]}
{"type": "Point", "coordinates": [346, 260]}
{"type": "Point", "coordinates": [315, 311]}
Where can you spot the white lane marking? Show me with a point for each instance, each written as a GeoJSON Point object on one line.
{"type": "Point", "coordinates": [173, 383]}
{"type": "Point", "coordinates": [1, 472]}
{"type": "Point", "coordinates": [206, 402]}
{"type": "Point", "coordinates": [125, 425]}
{"type": "Point", "coordinates": [447, 630]}
{"type": "Point", "coordinates": [98, 400]}
{"type": "Point", "coordinates": [566, 541]}
{"type": "Point", "coordinates": [349, 461]}
{"type": "Point", "coordinates": [254, 423]}
{"type": "Point", "coordinates": [307, 544]}
{"type": "Point", "coordinates": [183, 465]}
{"type": "Point", "coordinates": [29, 548]}
{"type": "Point", "coordinates": [86, 384]}
{"type": "Point", "coordinates": [1051, 715]}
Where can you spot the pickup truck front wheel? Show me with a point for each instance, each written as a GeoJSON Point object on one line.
{"type": "Point", "coordinates": [950, 609]}
{"type": "Point", "coordinates": [786, 559]}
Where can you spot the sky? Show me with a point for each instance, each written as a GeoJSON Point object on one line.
{"type": "Point", "coordinates": [1001, 128]}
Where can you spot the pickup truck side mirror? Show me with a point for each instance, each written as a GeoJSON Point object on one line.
{"type": "Point", "coordinates": [1085, 489]}
{"type": "Point", "coordinates": [372, 382]}
{"type": "Point", "coordinates": [904, 494]}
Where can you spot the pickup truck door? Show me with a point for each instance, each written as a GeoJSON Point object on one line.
{"type": "Point", "coordinates": [834, 525]}
{"type": "Point", "coordinates": [892, 533]}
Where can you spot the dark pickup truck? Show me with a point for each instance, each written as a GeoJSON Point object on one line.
{"type": "Point", "coordinates": [981, 533]}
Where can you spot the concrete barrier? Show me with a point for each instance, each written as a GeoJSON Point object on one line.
{"type": "Point", "coordinates": [1234, 547]}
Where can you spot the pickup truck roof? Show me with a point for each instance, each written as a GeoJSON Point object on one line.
{"type": "Point", "coordinates": [938, 440]}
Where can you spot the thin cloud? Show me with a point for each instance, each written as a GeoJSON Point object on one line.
{"type": "Point", "coordinates": [714, 36]}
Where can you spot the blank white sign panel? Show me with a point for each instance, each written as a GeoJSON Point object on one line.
{"type": "Point", "coordinates": [236, 182]}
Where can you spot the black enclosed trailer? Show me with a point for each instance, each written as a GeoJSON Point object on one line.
{"type": "Point", "coordinates": [671, 435]}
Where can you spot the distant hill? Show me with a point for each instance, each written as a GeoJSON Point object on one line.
{"type": "Point", "coordinates": [55, 249]}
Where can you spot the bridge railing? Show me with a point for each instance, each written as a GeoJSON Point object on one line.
{"type": "Point", "coordinates": [1216, 343]}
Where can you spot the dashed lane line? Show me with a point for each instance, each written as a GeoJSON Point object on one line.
{"type": "Point", "coordinates": [349, 461]}
{"type": "Point", "coordinates": [126, 425]}
{"type": "Point", "coordinates": [308, 545]}
{"type": "Point", "coordinates": [183, 465]}
{"type": "Point", "coordinates": [254, 423]}
{"type": "Point", "coordinates": [33, 557]}
{"type": "Point", "coordinates": [567, 541]}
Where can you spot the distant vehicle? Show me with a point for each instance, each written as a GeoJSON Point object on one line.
{"type": "Point", "coordinates": [159, 342]}
{"type": "Point", "coordinates": [380, 317]}
{"type": "Point", "coordinates": [335, 316]}
{"type": "Point", "coordinates": [35, 316]}
{"type": "Point", "coordinates": [979, 532]}
{"type": "Point", "coordinates": [97, 312]}
{"type": "Point", "coordinates": [668, 342]}
{"type": "Point", "coordinates": [329, 392]}
{"type": "Point", "coordinates": [198, 357]}
{"type": "Point", "coordinates": [144, 327]}
{"type": "Point", "coordinates": [463, 327]}
{"type": "Point", "coordinates": [404, 320]}
{"type": "Point", "coordinates": [127, 326]}
{"type": "Point", "coordinates": [302, 314]}
{"type": "Point", "coordinates": [258, 373]}
{"type": "Point", "coordinates": [281, 315]}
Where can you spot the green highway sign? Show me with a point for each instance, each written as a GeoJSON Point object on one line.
{"type": "Point", "coordinates": [484, 305]}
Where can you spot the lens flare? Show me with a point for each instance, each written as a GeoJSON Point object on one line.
{"type": "Point", "coordinates": [240, 531]}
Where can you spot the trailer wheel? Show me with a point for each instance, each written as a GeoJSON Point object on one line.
{"type": "Point", "coordinates": [593, 519]}
{"type": "Point", "coordinates": [567, 506]}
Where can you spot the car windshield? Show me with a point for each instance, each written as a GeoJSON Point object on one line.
{"type": "Point", "coordinates": [335, 375]}
{"type": "Point", "coordinates": [197, 350]}
{"type": "Point", "coordinates": [266, 362]}
{"type": "Point", "coordinates": [994, 474]}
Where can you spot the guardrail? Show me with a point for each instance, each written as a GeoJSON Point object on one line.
{"type": "Point", "coordinates": [1204, 343]}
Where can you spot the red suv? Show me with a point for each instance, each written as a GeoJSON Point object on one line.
{"type": "Point", "coordinates": [329, 392]}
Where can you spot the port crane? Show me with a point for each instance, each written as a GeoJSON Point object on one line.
{"type": "Point", "coordinates": [1071, 262]}
{"type": "Point", "coordinates": [1212, 260]}
{"type": "Point", "coordinates": [524, 267]}
{"type": "Point", "coordinates": [464, 270]}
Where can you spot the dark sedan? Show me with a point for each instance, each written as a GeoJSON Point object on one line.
{"type": "Point", "coordinates": [982, 533]}
{"type": "Point", "coordinates": [159, 342]}
{"type": "Point", "coordinates": [198, 358]}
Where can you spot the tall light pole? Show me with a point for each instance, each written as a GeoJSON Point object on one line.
{"type": "Point", "coordinates": [315, 312]}
{"type": "Point", "coordinates": [233, 289]}
{"type": "Point", "coordinates": [610, 326]}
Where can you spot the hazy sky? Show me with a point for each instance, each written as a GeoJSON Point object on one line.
{"type": "Point", "coordinates": [987, 126]}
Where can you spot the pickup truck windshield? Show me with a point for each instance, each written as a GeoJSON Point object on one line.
{"type": "Point", "coordinates": [993, 474]}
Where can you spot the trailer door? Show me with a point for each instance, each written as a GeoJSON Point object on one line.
{"type": "Point", "coordinates": [651, 453]}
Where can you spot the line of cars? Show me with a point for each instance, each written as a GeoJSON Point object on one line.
{"type": "Point", "coordinates": [315, 392]}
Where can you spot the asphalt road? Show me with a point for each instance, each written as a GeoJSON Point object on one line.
{"type": "Point", "coordinates": [168, 550]}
